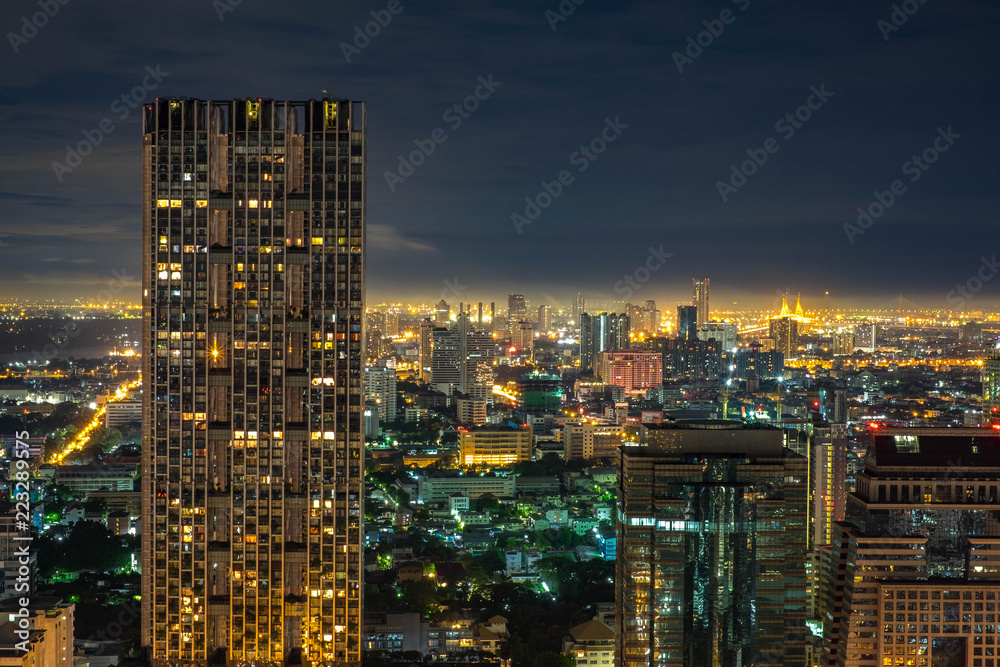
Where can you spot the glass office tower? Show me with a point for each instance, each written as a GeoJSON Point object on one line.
{"type": "Point", "coordinates": [711, 548]}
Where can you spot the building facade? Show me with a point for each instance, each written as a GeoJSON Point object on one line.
{"type": "Point", "coordinates": [925, 516]}
{"type": "Point", "coordinates": [632, 370]}
{"type": "Point", "coordinates": [495, 446]}
{"type": "Point", "coordinates": [380, 386]}
{"type": "Point", "coordinates": [700, 298]}
{"type": "Point", "coordinates": [253, 300]}
{"type": "Point", "coordinates": [991, 387]}
{"type": "Point", "coordinates": [711, 548]}
{"type": "Point", "coordinates": [600, 333]}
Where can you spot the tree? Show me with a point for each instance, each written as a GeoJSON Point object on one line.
{"type": "Point", "coordinates": [554, 659]}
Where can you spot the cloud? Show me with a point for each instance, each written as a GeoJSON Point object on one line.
{"type": "Point", "coordinates": [387, 237]}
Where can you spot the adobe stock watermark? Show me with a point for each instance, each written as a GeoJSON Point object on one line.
{"type": "Point", "coordinates": [914, 168]}
{"type": "Point", "coordinates": [974, 285]}
{"type": "Point", "coordinates": [363, 36]}
{"type": "Point", "coordinates": [61, 338]}
{"type": "Point", "coordinates": [565, 9]}
{"type": "Point", "coordinates": [223, 7]}
{"type": "Point", "coordinates": [30, 25]}
{"type": "Point", "coordinates": [454, 115]}
{"type": "Point", "coordinates": [121, 107]}
{"type": "Point", "coordinates": [631, 282]}
{"type": "Point", "coordinates": [697, 43]}
{"type": "Point", "coordinates": [581, 158]}
{"type": "Point", "coordinates": [453, 289]}
{"type": "Point", "coordinates": [898, 17]}
{"type": "Point", "coordinates": [786, 126]}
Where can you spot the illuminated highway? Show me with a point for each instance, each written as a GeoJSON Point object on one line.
{"type": "Point", "coordinates": [83, 437]}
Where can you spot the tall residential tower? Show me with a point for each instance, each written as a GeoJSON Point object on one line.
{"type": "Point", "coordinates": [699, 299]}
{"type": "Point", "coordinates": [253, 459]}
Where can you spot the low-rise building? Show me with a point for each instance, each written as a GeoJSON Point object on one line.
{"type": "Point", "coordinates": [591, 643]}
{"type": "Point", "coordinates": [495, 446]}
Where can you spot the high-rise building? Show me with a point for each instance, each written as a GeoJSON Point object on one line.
{"type": "Point", "coordinates": [462, 359]}
{"type": "Point", "coordinates": [392, 324]}
{"type": "Point", "coordinates": [442, 313]}
{"type": "Point", "coordinates": [711, 548]}
{"type": "Point", "coordinates": [253, 457]}
{"type": "Point", "coordinates": [651, 317]}
{"type": "Point", "coordinates": [699, 299]}
{"type": "Point", "coordinates": [785, 334]}
{"type": "Point", "coordinates": [828, 479]}
{"type": "Point", "coordinates": [380, 387]}
{"type": "Point", "coordinates": [923, 516]}
{"type": "Point", "coordinates": [632, 370]}
{"type": "Point", "coordinates": [522, 338]}
{"type": "Point", "coordinates": [544, 320]}
{"type": "Point", "coordinates": [517, 309]}
{"type": "Point", "coordinates": [426, 349]}
{"type": "Point", "coordinates": [687, 322]}
{"type": "Point", "coordinates": [991, 387]}
{"type": "Point", "coordinates": [756, 362]}
{"type": "Point", "coordinates": [724, 332]}
{"type": "Point", "coordinates": [842, 343]}
{"type": "Point", "coordinates": [601, 332]}
{"type": "Point", "coordinates": [579, 307]}
{"type": "Point", "coordinates": [865, 336]}
{"type": "Point", "coordinates": [688, 359]}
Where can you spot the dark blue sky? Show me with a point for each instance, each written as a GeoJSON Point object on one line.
{"type": "Point", "coordinates": [656, 184]}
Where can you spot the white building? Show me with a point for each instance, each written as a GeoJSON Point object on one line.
{"type": "Point", "coordinates": [380, 386]}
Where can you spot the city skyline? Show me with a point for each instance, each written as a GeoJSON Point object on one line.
{"type": "Point", "coordinates": [887, 92]}
{"type": "Point", "coordinates": [389, 333]}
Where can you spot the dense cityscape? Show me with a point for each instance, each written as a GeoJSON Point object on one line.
{"type": "Point", "coordinates": [509, 452]}
{"type": "Point", "coordinates": [516, 334]}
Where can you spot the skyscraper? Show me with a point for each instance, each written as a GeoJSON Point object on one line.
{"type": "Point", "coordinates": [579, 306]}
{"type": "Point", "coordinates": [544, 323]}
{"type": "Point", "coordinates": [517, 309]}
{"type": "Point", "coordinates": [724, 332]}
{"type": "Point", "coordinates": [442, 313]}
{"type": "Point", "coordinates": [923, 517]}
{"type": "Point", "coordinates": [828, 478]}
{"type": "Point", "coordinates": [785, 334]}
{"type": "Point", "coordinates": [711, 548]}
{"type": "Point", "coordinates": [522, 338]}
{"type": "Point", "coordinates": [601, 332]}
{"type": "Point", "coordinates": [865, 336]}
{"type": "Point", "coordinates": [699, 299]}
{"type": "Point", "coordinates": [380, 387]}
{"type": "Point", "coordinates": [687, 322]}
{"type": "Point", "coordinates": [462, 359]}
{"type": "Point", "coordinates": [253, 458]}
{"type": "Point", "coordinates": [425, 350]}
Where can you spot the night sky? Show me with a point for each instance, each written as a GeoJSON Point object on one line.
{"type": "Point", "coordinates": [885, 90]}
